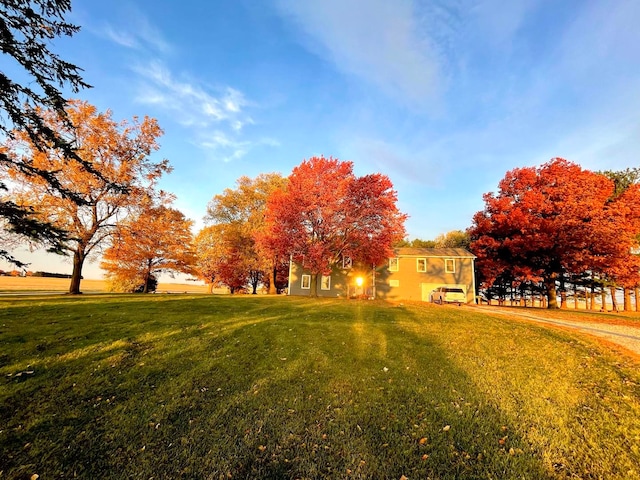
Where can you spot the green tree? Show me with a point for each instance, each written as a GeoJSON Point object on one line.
{"type": "Point", "coordinates": [415, 243]}
{"type": "Point", "coordinates": [453, 239]}
{"type": "Point", "coordinates": [622, 179]}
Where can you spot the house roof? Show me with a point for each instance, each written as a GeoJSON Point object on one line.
{"type": "Point", "coordinates": [433, 252]}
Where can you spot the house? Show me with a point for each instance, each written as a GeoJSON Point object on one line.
{"type": "Point", "coordinates": [411, 274]}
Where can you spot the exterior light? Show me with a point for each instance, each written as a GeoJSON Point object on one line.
{"type": "Point", "coordinates": [359, 281]}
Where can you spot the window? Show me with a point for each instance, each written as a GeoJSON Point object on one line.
{"type": "Point", "coordinates": [421, 264]}
{"type": "Point", "coordinates": [394, 283]}
{"type": "Point", "coordinates": [325, 282]}
{"type": "Point", "coordinates": [449, 265]}
{"type": "Point", "coordinates": [393, 264]}
{"type": "Point", "coordinates": [347, 262]}
{"type": "Point", "coordinates": [306, 282]}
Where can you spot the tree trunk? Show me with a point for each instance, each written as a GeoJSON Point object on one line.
{"type": "Point", "coordinates": [76, 275]}
{"type": "Point", "coordinates": [603, 296]}
{"type": "Point", "coordinates": [313, 291]}
{"type": "Point", "coordinates": [210, 287]}
{"type": "Point", "coordinates": [636, 294]}
{"type": "Point", "coordinates": [627, 299]}
{"type": "Point", "coordinates": [272, 281]}
{"type": "Point", "coordinates": [563, 292]}
{"type": "Point", "coordinates": [552, 295]}
{"type": "Point", "coordinates": [614, 302]}
{"type": "Point", "coordinates": [147, 274]}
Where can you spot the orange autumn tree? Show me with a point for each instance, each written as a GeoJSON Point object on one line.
{"type": "Point", "coordinates": [206, 247]}
{"type": "Point", "coordinates": [156, 240]}
{"type": "Point", "coordinates": [548, 221]}
{"type": "Point", "coordinates": [118, 151]}
{"type": "Point", "coordinates": [326, 213]}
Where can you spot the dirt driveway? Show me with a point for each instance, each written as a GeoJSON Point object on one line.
{"type": "Point", "coordinates": [625, 335]}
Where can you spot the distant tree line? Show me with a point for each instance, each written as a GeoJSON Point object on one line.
{"type": "Point", "coordinates": [49, 275]}
{"type": "Point", "coordinates": [18, 273]}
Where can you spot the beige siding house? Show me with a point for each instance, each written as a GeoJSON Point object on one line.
{"type": "Point", "coordinates": [411, 274]}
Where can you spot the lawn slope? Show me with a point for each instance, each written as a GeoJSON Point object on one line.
{"type": "Point", "coordinates": [175, 386]}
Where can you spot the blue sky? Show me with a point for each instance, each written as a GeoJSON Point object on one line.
{"type": "Point", "coordinates": [444, 97]}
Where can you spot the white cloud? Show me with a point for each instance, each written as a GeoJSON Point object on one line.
{"type": "Point", "coordinates": [120, 37]}
{"type": "Point", "coordinates": [228, 148]}
{"type": "Point", "coordinates": [376, 40]}
{"type": "Point", "coordinates": [192, 103]}
{"type": "Point", "coordinates": [215, 118]}
{"type": "Point", "coordinates": [136, 32]}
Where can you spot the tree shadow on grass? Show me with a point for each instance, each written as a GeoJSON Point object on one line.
{"type": "Point", "coordinates": [287, 389]}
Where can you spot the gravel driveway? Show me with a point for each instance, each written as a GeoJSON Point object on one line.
{"type": "Point", "coordinates": [624, 335]}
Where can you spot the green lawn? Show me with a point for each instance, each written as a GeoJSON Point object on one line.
{"type": "Point", "coordinates": [173, 386]}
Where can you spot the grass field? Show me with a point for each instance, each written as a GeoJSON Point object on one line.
{"type": "Point", "coordinates": [178, 386]}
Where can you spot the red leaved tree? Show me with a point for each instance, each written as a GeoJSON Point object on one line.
{"type": "Point", "coordinates": [624, 270]}
{"type": "Point", "coordinates": [326, 213]}
{"type": "Point", "coordinates": [222, 258]}
{"type": "Point", "coordinates": [547, 221]}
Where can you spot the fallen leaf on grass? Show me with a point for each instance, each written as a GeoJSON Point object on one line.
{"type": "Point", "coordinates": [446, 428]}
{"type": "Point", "coordinates": [422, 441]}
